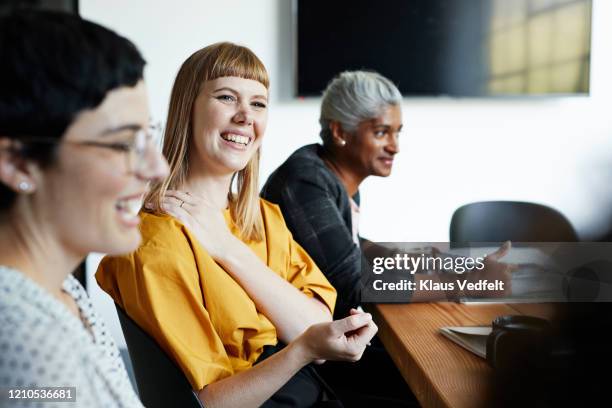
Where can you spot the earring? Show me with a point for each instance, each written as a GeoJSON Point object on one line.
{"type": "Point", "coordinates": [24, 186]}
{"type": "Point", "coordinates": [342, 142]}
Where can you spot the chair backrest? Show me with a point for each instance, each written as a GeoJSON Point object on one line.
{"type": "Point", "coordinates": [161, 383]}
{"type": "Point", "coordinates": [497, 221]}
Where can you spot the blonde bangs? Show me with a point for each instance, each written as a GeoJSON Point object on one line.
{"type": "Point", "coordinates": [212, 62]}
{"type": "Point", "coordinates": [234, 60]}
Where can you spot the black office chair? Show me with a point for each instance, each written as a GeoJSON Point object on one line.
{"type": "Point", "coordinates": [161, 383]}
{"type": "Point", "coordinates": [498, 221]}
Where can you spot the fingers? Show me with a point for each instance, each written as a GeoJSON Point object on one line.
{"type": "Point", "coordinates": [501, 252]}
{"type": "Point", "coordinates": [354, 311]}
{"type": "Point", "coordinates": [171, 203]}
{"type": "Point", "coordinates": [173, 206]}
{"type": "Point", "coordinates": [180, 196]}
{"type": "Point", "coordinates": [353, 322]}
{"type": "Point", "coordinates": [359, 339]}
{"type": "Point", "coordinates": [170, 199]}
{"type": "Point", "coordinates": [179, 203]}
{"type": "Point", "coordinates": [366, 333]}
{"type": "Point", "coordinates": [343, 340]}
{"type": "Point", "coordinates": [510, 268]}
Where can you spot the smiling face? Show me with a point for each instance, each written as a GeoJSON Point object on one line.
{"type": "Point", "coordinates": [373, 146]}
{"type": "Point", "coordinates": [229, 120]}
{"type": "Point", "coordinates": [89, 196]}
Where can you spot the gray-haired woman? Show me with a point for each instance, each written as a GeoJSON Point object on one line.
{"type": "Point", "coordinates": [317, 187]}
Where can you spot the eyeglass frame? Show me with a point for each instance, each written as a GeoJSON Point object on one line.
{"type": "Point", "coordinates": [151, 138]}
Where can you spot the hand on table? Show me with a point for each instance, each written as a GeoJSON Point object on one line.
{"type": "Point", "coordinates": [494, 270]}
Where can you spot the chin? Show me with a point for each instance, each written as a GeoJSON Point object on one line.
{"type": "Point", "coordinates": [125, 243]}
{"type": "Point", "coordinates": [383, 173]}
{"type": "Point", "coordinates": [234, 167]}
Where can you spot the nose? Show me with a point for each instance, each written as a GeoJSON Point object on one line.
{"type": "Point", "coordinates": [392, 146]}
{"type": "Point", "coordinates": [154, 165]}
{"type": "Point", "coordinates": [243, 116]}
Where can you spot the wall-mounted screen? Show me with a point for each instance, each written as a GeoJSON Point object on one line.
{"type": "Point", "coordinates": [448, 47]}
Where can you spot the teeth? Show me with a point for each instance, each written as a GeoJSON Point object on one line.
{"type": "Point", "coordinates": [130, 207]}
{"type": "Point", "coordinates": [236, 138]}
{"type": "Point", "coordinates": [134, 206]}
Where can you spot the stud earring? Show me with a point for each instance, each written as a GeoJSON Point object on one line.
{"type": "Point", "coordinates": [342, 142]}
{"type": "Point", "coordinates": [24, 186]}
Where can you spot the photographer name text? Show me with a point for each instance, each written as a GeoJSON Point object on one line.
{"type": "Point", "coordinates": [433, 285]}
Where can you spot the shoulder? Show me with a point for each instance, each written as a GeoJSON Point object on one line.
{"type": "Point", "coordinates": [160, 228]}
{"type": "Point", "coordinates": [304, 169]}
{"type": "Point", "coordinates": [164, 238]}
{"type": "Point", "coordinates": [161, 233]}
{"type": "Point", "coordinates": [270, 212]}
{"type": "Point", "coordinates": [166, 243]}
{"type": "Point", "coordinates": [273, 220]}
{"type": "Point", "coordinates": [304, 163]}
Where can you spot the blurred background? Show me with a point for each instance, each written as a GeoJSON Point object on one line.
{"type": "Point", "coordinates": [554, 150]}
{"type": "Point", "coordinates": [525, 113]}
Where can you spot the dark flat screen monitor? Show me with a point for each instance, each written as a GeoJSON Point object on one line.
{"type": "Point", "coordinates": [448, 47]}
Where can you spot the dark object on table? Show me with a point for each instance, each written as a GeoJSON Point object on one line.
{"type": "Point", "coordinates": [518, 338]}
{"type": "Point", "coordinates": [569, 369]}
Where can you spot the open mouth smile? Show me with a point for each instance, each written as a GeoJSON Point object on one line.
{"type": "Point", "coordinates": [236, 139]}
{"type": "Point", "coordinates": [128, 209]}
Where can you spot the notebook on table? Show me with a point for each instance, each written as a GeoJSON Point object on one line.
{"type": "Point", "coordinates": [472, 338]}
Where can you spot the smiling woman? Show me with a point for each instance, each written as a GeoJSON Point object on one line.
{"type": "Point", "coordinates": [75, 161]}
{"type": "Point", "coordinates": [218, 280]}
{"type": "Point", "coordinates": [230, 118]}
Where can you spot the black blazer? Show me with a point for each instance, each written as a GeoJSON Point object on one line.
{"type": "Point", "coordinates": [317, 211]}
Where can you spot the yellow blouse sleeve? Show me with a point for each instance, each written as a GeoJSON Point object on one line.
{"type": "Point", "coordinates": [160, 289]}
{"type": "Point", "coordinates": [304, 274]}
{"type": "Point", "coordinates": [299, 268]}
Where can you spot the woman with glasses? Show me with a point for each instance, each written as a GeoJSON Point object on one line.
{"type": "Point", "coordinates": [218, 280]}
{"type": "Point", "coordinates": [75, 160]}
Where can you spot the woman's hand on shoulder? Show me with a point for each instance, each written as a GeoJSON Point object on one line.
{"type": "Point", "coordinates": [341, 340]}
{"type": "Point", "coordinates": [203, 220]}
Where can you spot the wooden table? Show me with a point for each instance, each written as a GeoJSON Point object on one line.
{"type": "Point", "coordinates": [439, 372]}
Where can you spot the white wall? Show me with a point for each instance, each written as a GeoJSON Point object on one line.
{"type": "Point", "coordinates": [556, 151]}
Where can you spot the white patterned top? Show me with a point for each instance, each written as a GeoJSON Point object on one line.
{"type": "Point", "coordinates": [43, 344]}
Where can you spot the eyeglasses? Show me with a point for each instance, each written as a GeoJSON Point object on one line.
{"type": "Point", "coordinates": [135, 150]}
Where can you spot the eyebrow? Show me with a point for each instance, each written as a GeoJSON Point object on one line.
{"type": "Point", "coordinates": [130, 126]}
{"type": "Point", "coordinates": [225, 88]}
{"type": "Point", "coordinates": [385, 126]}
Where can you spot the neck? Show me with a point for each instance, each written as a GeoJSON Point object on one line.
{"type": "Point", "coordinates": [28, 245]}
{"type": "Point", "coordinates": [213, 188]}
{"type": "Point", "coordinates": [345, 172]}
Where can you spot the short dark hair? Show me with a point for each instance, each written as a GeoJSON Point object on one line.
{"type": "Point", "coordinates": [53, 66]}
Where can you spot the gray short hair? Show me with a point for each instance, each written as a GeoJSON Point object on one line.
{"type": "Point", "coordinates": [355, 96]}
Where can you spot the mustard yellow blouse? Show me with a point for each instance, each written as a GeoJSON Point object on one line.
{"type": "Point", "coordinates": [194, 309]}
